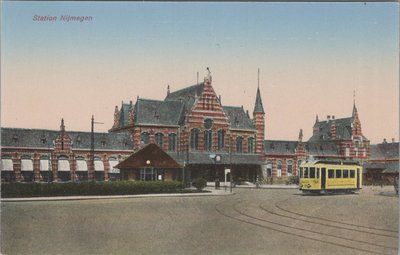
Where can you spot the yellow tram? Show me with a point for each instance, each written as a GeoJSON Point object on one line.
{"type": "Point", "coordinates": [330, 176]}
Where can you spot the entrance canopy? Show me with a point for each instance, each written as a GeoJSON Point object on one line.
{"type": "Point", "coordinates": [149, 156]}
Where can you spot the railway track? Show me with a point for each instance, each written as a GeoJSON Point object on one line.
{"type": "Point", "coordinates": [373, 242]}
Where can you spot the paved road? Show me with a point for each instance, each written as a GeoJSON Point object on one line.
{"type": "Point", "coordinates": [253, 221]}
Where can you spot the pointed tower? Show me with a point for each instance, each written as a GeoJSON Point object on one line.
{"type": "Point", "coordinates": [259, 119]}
{"type": "Point", "coordinates": [356, 124]}
{"type": "Point", "coordinates": [316, 126]}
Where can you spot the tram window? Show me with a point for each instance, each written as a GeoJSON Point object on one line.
{"type": "Point", "coordinates": [352, 173]}
{"type": "Point", "coordinates": [317, 173]}
{"type": "Point", "coordinates": [338, 173]}
{"type": "Point", "coordinates": [345, 173]}
{"type": "Point", "coordinates": [331, 173]}
{"type": "Point", "coordinates": [305, 172]}
{"type": "Point", "coordinates": [312, 172]}
{"type": "Point", "coordinates": [301, 172]}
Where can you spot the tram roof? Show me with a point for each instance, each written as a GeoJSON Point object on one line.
{"type": "Point", "coordinates": [333, 162]}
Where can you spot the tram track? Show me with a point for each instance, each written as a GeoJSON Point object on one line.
{"type": "Point", "coordinates": [291, 230]}
{"type": "Point", "coordinates": [327, 224]}
{"type": "Point", "coordinates": [334, 221]}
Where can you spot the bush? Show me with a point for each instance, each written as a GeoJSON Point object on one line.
{"type": "Point", "coordinates": [89, 188]}
{"type": "Point", "coordinates": [199, 183]}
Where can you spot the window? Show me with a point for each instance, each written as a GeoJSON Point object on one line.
{"type": "Point", "coordinates": [305, 173]}
{"type": "Point", "coordinates": [250, 145]}
{"type": "Point", "coordinates": [113, 173]}
{"type": "Point", "coordinates": [312, 172]}
{"type": "Point", "coordinates": [172, 142]}
{"type": "Point", "coordinates": [352, 173]}
{"type": "Point", "coordinates": [239, 144]}
{"type": "Point", "coordinates": [301, 172]}
{"type": "Point", "coordinates": [144, 138]}
{"type": "Point", "coordinates": [279, 167]}
{"type": "Point", "coordinates": [147, 174]}
{"type": "Point", "coordinates": [269, 168]}
{"type": "Point", "coordinates": [194, 139]}
{"type": "Point", "coordinates": [290, 167]}
{"type": "Point", "coordinates": [208, 140]}
{"type": "Point", "coordinates": [338, 173]}
{"type": "Point", "coordinates": [331, 173]}
{"type": "Point", "coordinates": [345, 173]}
{"type": "Point", "coordinates": [221, 138]}
{"type": "Point", "coordinates": [347, 152]}
{"type": "Point", "coordinates": [159, 139]}
{"type": "Point", "coordinates": [317, 173]}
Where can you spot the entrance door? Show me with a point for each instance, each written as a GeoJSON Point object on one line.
{"type": "Point", "coordinates": [323, 178]}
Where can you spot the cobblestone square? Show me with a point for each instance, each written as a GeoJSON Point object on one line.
{"type": "Point", "coordinates": [251, 221]}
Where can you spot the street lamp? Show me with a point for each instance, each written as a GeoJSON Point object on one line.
{"type": "Point", "coordinates": [91, 170]}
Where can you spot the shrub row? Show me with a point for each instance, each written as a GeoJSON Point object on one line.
{"type": "Point", "coordinates": [89, 188]}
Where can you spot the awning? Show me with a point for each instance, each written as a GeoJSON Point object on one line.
{"type": "Point", "coordinates": [98, 165]}
{"type": "Point", "coordinates": [44, 165]}
{"type": "Point", "coordinates": [113, 170]}
{"type": "Point", "coordinates": [63, 165]}
{"type": "Point", "coordinates": [81, 165]}
{"type": "Point", "coordinates": [26, 165]}
{"type": "Point", "coordinates": [7, 165]}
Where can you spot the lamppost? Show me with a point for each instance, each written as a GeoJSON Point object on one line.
{"type": "Point", "coordinates": [49, 167]}
{"type": "Point", "coordinates": [91, 170]}
{"type": "Point", "coordinates": [148, 162]}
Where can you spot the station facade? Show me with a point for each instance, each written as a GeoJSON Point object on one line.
{"type": "Point", "coordinates": [193, 127]}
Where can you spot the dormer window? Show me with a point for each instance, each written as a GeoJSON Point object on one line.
{"type": "Point", "coordinates": [103, 143]}
{"type": "Point", "coordinates": [156, 116]}
{"type": "Point", "coordinates": [78, 140]}
{"type": "Point", "coordinates": [43, 140]}
{"type": "Point", "coordinates": [15, 138]}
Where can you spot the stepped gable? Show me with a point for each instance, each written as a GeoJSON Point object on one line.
{"type": "Point", "coordinates": [157, 112]}
{"type": "Point", "coordinates": [42, 138]}
{"type": "Point", "coordinates": [238, 118]}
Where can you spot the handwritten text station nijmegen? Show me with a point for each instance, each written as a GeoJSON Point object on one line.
{"type": "Point", "coordinates": [62, 18]}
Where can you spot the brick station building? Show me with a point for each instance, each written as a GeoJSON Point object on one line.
{"type": "Point", "coordinates": [193, 127]}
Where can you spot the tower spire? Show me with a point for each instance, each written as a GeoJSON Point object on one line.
{"type": "Point", "coordinates": [258, 83]}
{"type": "Point", "coordinates": [354, 104]}
{"type": "Point", "coordinates": [258, 107]}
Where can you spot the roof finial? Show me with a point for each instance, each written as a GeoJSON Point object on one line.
{"type": "Point", "coordinates": [354, 104]}
{"type": "Point", "coordinates": [168, 90]}
{"type": "Point", "coordinates": [62, 127]}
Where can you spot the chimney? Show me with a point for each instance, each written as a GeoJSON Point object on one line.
{"type": "Point", "coordinates": [328, 117]}
{"type": "Point", "coordinates": [392, 140]}
{"type": "Point", "coordinates": [384, 140]}
{"type": "Point", "coordinates": [333, 117]}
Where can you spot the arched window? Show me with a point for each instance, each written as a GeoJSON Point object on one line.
{"type": "Point", "coordinates": [239, 144]}
{"type": "Point", "coordinates": [269, 168]}
{"type": "Point", "coordinates": [250, 145]}
{"type": "Point", "coordinates": [221, 139]}
{"type": "Point", "coordinates": [279, 168]}
{"type": "Point", "coordinates": [159, 139]}
{"type": "Point", "coordinates": [172, 142]}
{"type": "Point", "coordinates": [347, 152]}
{"type": "Point", "coordinates": [144, 138]}
{"type": "Point", "coordinates": [194, 139]}
{"type": "Point", "coordinates": [208, 140]}
{"type": "Point", "coordinates": [289, 167]}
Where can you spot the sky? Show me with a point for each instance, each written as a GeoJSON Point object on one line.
{"type": "Point", "coordinates": [312, 58]}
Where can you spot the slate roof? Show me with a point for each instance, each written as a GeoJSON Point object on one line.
{"type": "Point", "coordinates": [187, 95]}
{"type": "Point", "coordinates": [322, 148]}
{"type": "Point", "coordinates": [124, 113]}
{"type": "Point", "coordinates": [343, 130]}
{"type": "Point", "coordinates": [42, 138]}
{"type": "Point", "coordinates": [385, 168]}
{"type": "Point", "coordinates": [158, 112]}
{"type": "Point", "coordinates": [238, 118]}
{"type": "Point", "coordinates": [280, 147]}
{"type": "Point", "coordinates": [384, 151]}
{"type": "Point", "coordinates": [226, 158]}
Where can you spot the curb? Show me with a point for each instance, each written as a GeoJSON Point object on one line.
{"type": "Point", "coordinates": [38, 199]}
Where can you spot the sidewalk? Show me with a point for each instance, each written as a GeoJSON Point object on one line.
{"type": "Point", "coordinates": [213, 192]}
{"type": "Point", "coordinates": [250, 185]}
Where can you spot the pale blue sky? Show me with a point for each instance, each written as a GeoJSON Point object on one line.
{"type": "Point", "coordinates": [307, 53]}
